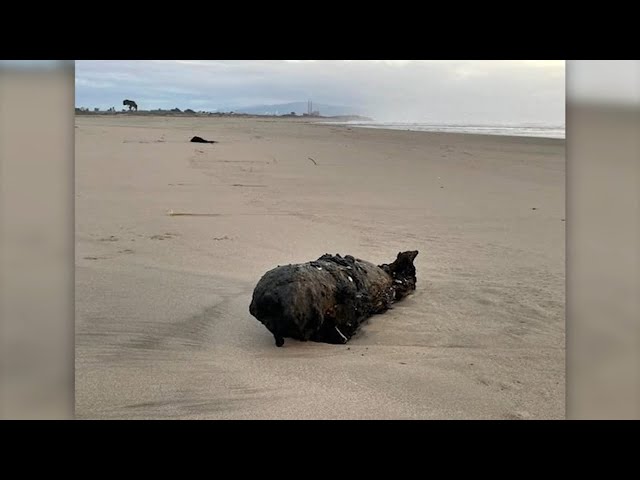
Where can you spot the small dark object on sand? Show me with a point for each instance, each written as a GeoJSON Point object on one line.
{"type": "Point", "coordinates": [202, 140]}
{"type": "Point", "coordinates": [328, 299]}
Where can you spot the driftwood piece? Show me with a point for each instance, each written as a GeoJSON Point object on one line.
{"type": "Point", "coordinates": [328, 299]}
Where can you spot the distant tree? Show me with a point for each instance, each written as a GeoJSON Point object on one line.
{"type": "Point", "coordinates": [188, 110]}
{"type": "Point", "coordinates": [177, 110]}
{"type": "Point", "coordinates": [131, 104]}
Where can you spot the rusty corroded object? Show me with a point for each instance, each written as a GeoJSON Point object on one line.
{"type": "Point", "coordinates": [326, 300]}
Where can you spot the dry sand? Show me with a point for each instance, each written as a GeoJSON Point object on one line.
{"type": "Point", "coordinates": [163, 328]}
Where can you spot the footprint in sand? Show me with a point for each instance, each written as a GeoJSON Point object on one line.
{"type": "Point", "coordinates": [519, 415]}
{"type": "Point", "coordinates": [111, 238]}
{"type": "Point", "coordinates": [165, 236]}
{"type": "Point", "coordinates": [485, 301]}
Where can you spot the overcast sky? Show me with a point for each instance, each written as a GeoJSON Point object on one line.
{"type": "Point", "coordinates": [477, 91]}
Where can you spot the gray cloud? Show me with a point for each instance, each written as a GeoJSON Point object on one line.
{"type": "Point", "coordinates": [394, 90]}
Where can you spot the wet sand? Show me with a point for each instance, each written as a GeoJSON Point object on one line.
{"type": "Point", "coordinates": [163, 328]}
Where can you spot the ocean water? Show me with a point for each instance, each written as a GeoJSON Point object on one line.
{"type": "Point", "coordinates": [524, 130]}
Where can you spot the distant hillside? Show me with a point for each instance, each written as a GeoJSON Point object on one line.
{"type": "Point", "coordinates": [299, 108]}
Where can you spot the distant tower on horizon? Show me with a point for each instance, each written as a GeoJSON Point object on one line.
{"type": "Point", "coordinates": [310, 111]}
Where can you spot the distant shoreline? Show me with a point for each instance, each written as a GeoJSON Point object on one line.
{"type": "Point", "coordinates": [336, 121]}
{"type": "Point", "coordinates": [171, 113]}
{"type": "Point", "coordinates": [556, 133]}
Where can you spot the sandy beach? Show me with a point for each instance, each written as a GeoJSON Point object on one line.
{"type": "Point", "coordinates": [163, 328]}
